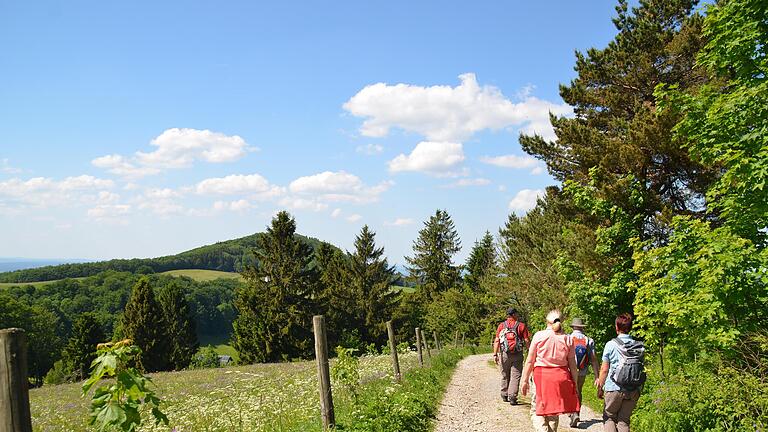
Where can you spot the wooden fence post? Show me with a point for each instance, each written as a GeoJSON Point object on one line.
{"type": "Point", "coordinates": [456, 339]}
{"type": "Point", "coordinates": [393, 348]}
{"type": "Point", "coordinates": [14, 385]}
{"type": "Point", "coordinates": [463, 337]}
{"type": "Point", "coordinates": [437, 342]}
{"type": "Point", "coordinates": [426, 344]}
{"type": "Point", "coordinates": [324, 376]}
{"type": "Point", "coordinates": [418, 347]}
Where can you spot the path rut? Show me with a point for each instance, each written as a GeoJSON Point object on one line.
{"type": "Point", "coordinates": [472, 403]}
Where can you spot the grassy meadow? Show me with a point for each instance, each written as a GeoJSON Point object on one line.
{"type": "Point", "coordinates": [261, 397]}
{"type": "Point", "coordinates": [203, 275]}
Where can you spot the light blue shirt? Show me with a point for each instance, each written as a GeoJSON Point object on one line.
{"type": "Point", "coordinates": [612, 356]}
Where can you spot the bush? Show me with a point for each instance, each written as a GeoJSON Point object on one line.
{"type": "Point", "coordinates": [409, 406]}
{"type": "Point", "coordinates": [59, 374]}
{"type": "Point", "coordinates": [205, 358]}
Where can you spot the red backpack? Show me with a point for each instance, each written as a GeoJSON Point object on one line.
{"type": "Point", "coordinates": [582, 351]}
{"type": "Point", "coordinates": [509, 338]}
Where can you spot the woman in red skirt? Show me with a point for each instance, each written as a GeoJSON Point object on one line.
{"type": "Point", "coordinates": [552, 358]}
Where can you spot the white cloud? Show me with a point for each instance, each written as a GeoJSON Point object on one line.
{"type": "Point", "coordinates": [177, 148]}
{"type": "Point", "coordinates": [336, 213]}
{"type": "Point", "coordinates": [353, 218]}
{"type": "Point", "coordinates": [110, 213]}
{"type": "Point", "coordinates": [119, 165]}
{"type": "Point", "coordinates": [469, 182]}
{"type": "Point", "coordinates": [441, 159]}
{"type": "Point", "coordinates": [339, 186]}
{"type": "Point", "coordinates": [46, 192]}
{"type": "Point", "coordinates": [370, 149]}
{"type": "Point", "coordinates": [235, 206]}
{"type": "Point", "coordinates": [237, 184]}
{"type": "Point", "coordinates": [295, 203]}
{"type": "Point", "coordinates": [538, 170]}
{"type": "Point", "coordinates": [525, 200]}
{"type": "Point", "coordinates": [6, 168]}
{"type": "Point", "coordinates": [161, 193]}
{"type": "Point", "coordinates": [445, 113]}
{"type": "Point", "coordinates": [400, 222]}
{"type": "Point", "coordinates": [510, 161]}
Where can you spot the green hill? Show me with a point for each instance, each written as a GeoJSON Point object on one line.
{"type": "Point", "coordinates": [226, 256]}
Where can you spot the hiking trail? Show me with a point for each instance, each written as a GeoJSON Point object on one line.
{"type": "Point", "coordinates": [472, 403]}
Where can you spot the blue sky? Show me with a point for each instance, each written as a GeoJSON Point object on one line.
{"type": "Point", "coordinates": [134, 129]}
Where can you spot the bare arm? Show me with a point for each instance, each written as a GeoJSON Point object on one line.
{"type": "Point", "coordinates": [573, 368]}
{"type": "Point", "coordinates": [527, 371]}
{"type": "Point", "coordinates": [601, 380]}
{"type": "Point", "coordinates": [595, 367]}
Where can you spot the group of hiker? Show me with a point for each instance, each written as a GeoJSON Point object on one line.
{"type": "Point", "coordinates": [558, 364]}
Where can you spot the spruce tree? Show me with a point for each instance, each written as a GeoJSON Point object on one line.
{"type": "Point", "coordinates": [481, 260]}
{"type": "Point", "coordinates": [370, 278]}
{"type": "Point", "coordinates": [337, 300]}
{"type": "Point", "coordinates": [432, 262]}
{"type": "Point", "coordinates": [145, 325]}
{"type": "Point", "coordinates": [182, 335]}
{"type": "Point", "coordinates": [80, 350]}
{"type": "Point", "coordinates": [276, 303]}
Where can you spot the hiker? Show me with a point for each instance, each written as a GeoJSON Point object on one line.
{"type": "Point", "coordinates": [622, 376]}
{"type": "Point", "coordinates": [584, 346]}
{"type": "Point", "coordinates": [511, 337]}
{"type": "Point", "coordinates": [552, 360]}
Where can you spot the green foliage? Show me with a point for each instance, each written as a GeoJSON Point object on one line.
{"type": "Point", "coordinates": [458, 309]}
{"type": "Point", "coordinates": [432, 265]}
{"type": "Point", "coordinates": [387, 406]}
{"type": "Point", "coordinates": [276, 303]}
{"type": "Point", "coordinates": [481, 261]}
{"type": "Point", "coordinates": [116, 405]}
{"type": "Point", "coordinates": [59, 374]}
{"type": "Point", "coordinates": [144, 324]}
{"type": "Point", "coordinates": [346, 370]}
{"type": "Point", "coordinates": [180, 329]}
{"type": "Point", "coordinates": [80, 350]}
{"type": "Point", "coordinates": [205, 358]}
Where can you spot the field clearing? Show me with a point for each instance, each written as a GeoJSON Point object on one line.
{"type": "Point", "coordinates": [35, 284]}
{"type": "Point", "coordinates": [261, 397]}
{"type": "Point", "coordinates": [203, 275]}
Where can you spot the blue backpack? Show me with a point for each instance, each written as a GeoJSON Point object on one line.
{"type": "Point", "coordinates": [581, 344]}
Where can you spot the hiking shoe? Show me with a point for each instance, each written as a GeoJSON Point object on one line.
{"type": "Point", "coordinates": [504, 398]}
{"type": "Point", "coordinates": [513, 402]}
{"type": "Point", "coordinates": [574, 421]}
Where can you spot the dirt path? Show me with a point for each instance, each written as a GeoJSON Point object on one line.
{"type": "Point", "coordinates": [472, 403]}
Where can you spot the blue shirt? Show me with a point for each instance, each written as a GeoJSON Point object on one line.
{"type": "Point", "coordinates": [612, 356]}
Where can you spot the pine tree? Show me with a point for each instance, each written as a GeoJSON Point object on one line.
{"type": "Point", "coordinates": [80, 350]}
{"type": "Point", "coordinates": [432, 262]}
{"type": "Point", "coordinates": [279, 297]}
{"type": "Point", "coordinates": [617, 130]}
{"type": "Point", "coordinates": [182, 335]}
{"type": "Point", "coordinates": [144, 324]}
{"type": "Point", "coordinates": [370, 278]}
{"type": "Point", "coordinates": [337, 300]}
{"type": "Point", "coordinates": [481, 260]}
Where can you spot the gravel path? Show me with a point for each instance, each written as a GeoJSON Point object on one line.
{"type": "Point", "coordinates": [472, 403]}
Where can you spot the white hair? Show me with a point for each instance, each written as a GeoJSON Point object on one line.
{"type": "Point", "coordinates": [553, 315]}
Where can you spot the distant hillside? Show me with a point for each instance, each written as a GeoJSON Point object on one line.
{"type": "Point", "coordinates": [226, 256]}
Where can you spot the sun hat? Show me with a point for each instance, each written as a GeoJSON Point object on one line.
{"type": "Point", "coordinates": [577, 322]}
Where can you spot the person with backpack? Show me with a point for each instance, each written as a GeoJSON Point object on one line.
{"type": "Point", "coordinates": [511, 337]}
{"type": "Point", "coordinates": [622, 376]}
{"type": "Point", "coordinates": [552, 362]}
{"type": "Point", "coordinates": [585, 356]}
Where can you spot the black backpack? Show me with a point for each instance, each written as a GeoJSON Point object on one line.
{"type": "Point", "coordinates": [630, 373]}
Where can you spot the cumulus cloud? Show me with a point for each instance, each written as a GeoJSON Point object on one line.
{"type": "Point", "coordinates": [110, 213]}
{"type": "Point", "coordinates": [339, 186]}
{"type": "Point", "coordinates": [177, 148]}
{"type": "Point", "coordinates": [400, 222]}
{"type": "Point", "coordinates": [510, 161]}
{"type": "Point", "coordinates": [440, 159]}
{"type": "Point", "coordinates": [445, 113]}
{"type": "Point", "coordinates": [353, 218]}
{"type": "Point", "coordinates": [296, 203]}
{"type": "Point", "coordinates": [45, 191]}
{"type": "Point", "coordinates": [235, 206]}
{"type": "Point", "coordinates": [525, 200]}
{"type": "Point", "coordinates": [370, 149]}
{"type": "Point", "coordinates": [253, 185]}
{"type": "Point", "coordinates": [336, 213]}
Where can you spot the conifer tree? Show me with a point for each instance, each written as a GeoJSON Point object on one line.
{"type": "Point", "coordinates": [80, 350]}
{"type": "Point", "coordinates": [144, 324]}
{"type": "Point", "coordinates": [432, 262]}
{"type": "Point", "coordinates": [337, 300]}
{"type": "Point", "coordinates": [481, 260]}
{"type": "Point", "coordinates": [370, 278]}
{"type": "Point", "coordinates": [182, 335]}
{"type": "Point", "coordinates": [279, 297]}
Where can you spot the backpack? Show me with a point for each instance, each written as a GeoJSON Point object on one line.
{"type": "Point", "coordinates": [630, 373]}
{"type": "Point", "coordinates": [582, 351]}
{"type": "Point", "coordinates": [515, 345]}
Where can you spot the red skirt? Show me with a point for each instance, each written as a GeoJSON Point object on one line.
{"type": "Point", "coordinates": [555, 391]}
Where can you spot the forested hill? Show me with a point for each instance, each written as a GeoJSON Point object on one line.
{"type": "Point", "coordinates": [230, 256]}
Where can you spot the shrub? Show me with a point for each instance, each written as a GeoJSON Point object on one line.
{"type": "Point", "coordinates": [205, 358]}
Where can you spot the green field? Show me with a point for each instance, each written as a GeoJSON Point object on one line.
{"type": "Point", "coordinates": [262, 397]}
{"type": "Point", "coordinates": [35, 284]}
{"type": "Point", "coordinates": [203, 275]}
